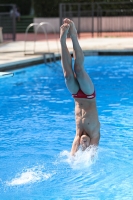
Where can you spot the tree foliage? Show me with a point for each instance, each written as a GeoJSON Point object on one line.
{"type": "Point", "coordinates": [45, 8]}
{"type": "Point", "coordinates": [50, 8]}
{"type": "Point", "coordinates": [24, 6]}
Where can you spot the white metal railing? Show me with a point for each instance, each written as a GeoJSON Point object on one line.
{"type": "Point", "coordinates": [42, 26]}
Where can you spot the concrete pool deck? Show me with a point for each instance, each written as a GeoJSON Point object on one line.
{"type": "Point", "coordinates": [12, 54]}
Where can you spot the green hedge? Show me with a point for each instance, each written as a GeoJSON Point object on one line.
{"type": "Point", "coordinates": [50, 8]}
{"type": "Point", "coordinates": [24, 5]}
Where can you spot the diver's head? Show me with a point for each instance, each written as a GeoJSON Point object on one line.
{"type": "Point", "coordinates": [84, 142]}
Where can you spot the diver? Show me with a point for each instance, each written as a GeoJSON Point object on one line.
{"type": "Point", "coordinates": [82, 89]}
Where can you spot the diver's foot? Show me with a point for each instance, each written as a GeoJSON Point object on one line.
{"type": "Point", "coordinates": [63, 32]}
{"type": "Point", "coordinates": [72, 30]}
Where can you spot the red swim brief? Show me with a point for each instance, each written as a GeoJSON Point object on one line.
{"type": "Point", "coordinates": [81, 94]}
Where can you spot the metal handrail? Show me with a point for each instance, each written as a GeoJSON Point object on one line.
{"type": "Point", "coordinates": [26, 32]}
{"type": "Point", "coordinates": [39, 25]}
{"type": "Point", "coordinates": [45, 33]}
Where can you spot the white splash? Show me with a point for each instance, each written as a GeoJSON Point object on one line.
{"type": "Point", "coordinates": [30, 175]}
{"type": "Point", "coordinates": [82, 159]}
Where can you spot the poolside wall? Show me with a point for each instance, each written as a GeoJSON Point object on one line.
{"type": "Point", "coordinates": [108, 24]}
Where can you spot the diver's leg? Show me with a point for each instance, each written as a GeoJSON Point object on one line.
{"type": "Point", "coordinates": [83, 78]}
{"type": "Point", "coordinates": [66, 60]}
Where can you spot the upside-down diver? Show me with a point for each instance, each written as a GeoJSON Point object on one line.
{"type": "Point", "coordinates": [82, 89]}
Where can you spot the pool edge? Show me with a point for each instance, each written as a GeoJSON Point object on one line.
{"type": "Point", "coordinates": [40, 59]}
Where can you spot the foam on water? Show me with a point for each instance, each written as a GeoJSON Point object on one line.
{"type": "Point", "coordinates": [31, 175]}
{"type": "Point", "coordinates": [82, 159]}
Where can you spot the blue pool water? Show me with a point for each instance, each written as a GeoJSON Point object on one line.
{"type": "Point", "coordinates": [37, 128]}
